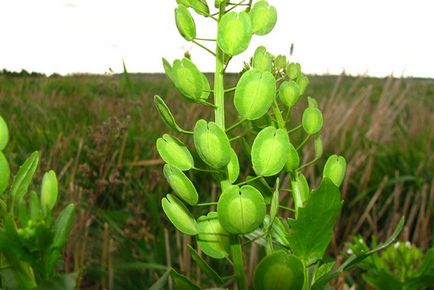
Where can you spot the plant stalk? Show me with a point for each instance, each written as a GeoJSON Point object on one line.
{"type": "Point", "coordinates": [237, 258]}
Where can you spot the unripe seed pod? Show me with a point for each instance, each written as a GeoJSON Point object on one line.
{"type": "Point", "coordinates": [303, 83]}
{"type": "Point", "coordinates": [234, 32]}
{"type": "Point", "coordinates": [212, 239]}
{"type": "Point", "coordinates": [4, 134]}
{"type": "Point", "coordinates": [5, 173]}
{"type": "Point", "coordinates": [262, 60]}
{"type": "Point", "coordinates": [293, 159]}
{"type": "Point", "coordinates": [300, 190]}
{"type": "Point", "coordinates": [185, 23]}
{"type": "Point", "coordinates": [179, 215]}
{"type": "Point", "coordinates": [264, 17]}
{"type": "Point", "coordinates": [335, 169]}
{"type": "Point", "coordinates": [289, 93]}
{"type": "Point", "coordinates": [318, 146]}
{"type": "Point", "coordinates": [192, 84]}
{"type": "Point", "coordinates": [280, 62]}
{"type": "Point", "coordinates": [181, 184]}
{"type": "Point", "coordinates": [312, 120]}
{"type": "Point", "coordinates": [49, 191]}
{"type": "Point", "coordinates": [293, 70]}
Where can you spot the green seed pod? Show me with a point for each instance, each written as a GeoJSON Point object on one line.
{"type": "Point", "coordinates": [200, 6]}
{"type": "Point", "coordinates": [192, 84]}
{"type": "Point", "coordinates": [303, 83]}
{"type": "Point", "coordinates": [212, 239]}
{"type": "Point", "coordinates": [289, 93]}
{"type": "Point", "coordinates": [185, 23]}
{"type": "Point", "coordinates": [254, 94]}
{"type": "Point", "coordinates": [270, 151]}
{"type": "Point", "coordinates": [166, 114]}
{"type": "Point", "coordinates": [181, 184]}
{"type": "Point", "coordinates": [212, 144]}
{"type": "Point", "coordinates": [179, 215]}
{"type": "Point", "coordinates": [264, 17]}
{"type": "Point", "coordinates": [5, 173]}
{"type": "Point", "coordinates": [174, 152]}
{"type": "Point", "coordinates": [279, 271]}
{"type": "Point", "coordinates": [300, 190]}
{"type": "Point", "coordinates": [312, 120]}
{"type": "Point", "coordinates": [293, 159]}
{"type": "Point", "coordinates": [280, 62]}
{"type": "Point", "coordinates": [293, 70]}
{"type": "Point", "coordinates": [318, 146]}
{"type": "Point", "coordinates": [234, 33]}
{"type": "Point", "coordinates": [168, 69]}
{"type": "Point", "coordinates": [233, 167]}
{"type": "Point", "coordinates": [241, 210]}
{"type": "Point", "coordinates": [335, 168]}
{"type": "Point", "coordinates": [262, 60]}
{"type": "Point", "coordinates": [4, 134]}
{"type": "Point", "coordinates": [49, 191]}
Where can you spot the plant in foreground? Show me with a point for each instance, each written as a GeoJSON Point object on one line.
{"type": "Point", "coordinates": [247, 210]}
{"type": "Point", "coordinates": [30, 240]}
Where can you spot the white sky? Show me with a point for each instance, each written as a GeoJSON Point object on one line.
{"type": "Point", "coordinates": [374, 37]}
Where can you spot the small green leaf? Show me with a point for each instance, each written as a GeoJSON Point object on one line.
{"type": "Point", "coordinates": [185, 23]}
{"type": "Point", "coordinates": [161, 282]}
{"type": "Point", "coordinates": [234, 33]}
{"type": "Point", "coordinates": [34, 206]}
{"type": "Point", "coordinates": [293, 159]}
{"type": "Point", "coordinates": [312, 231]}
{"type": "Point", "coordinates": [63, 226]}
{"type": "Point", "coordinates": [5, 173]}
{"type": "Point", "coordinates": [212, 144]}
{"type": "Point", "coordinates": [270, 151]}
{"type": "Point", "coordinates": [293, 70]}
{"type": "Point", "coordinates": [179, 215]}
{"type": "Point", "coordinates": [279, 271]}
{"type": "Point", "coordinates": [241, 210]}
{"type": "Point", "coordinates": [254, 94]}
{"type": "Point", "coordinates": [4, 134]}
{"type": "Point", "coordinates": [212, 239]}
{"type": "Point", "coordinates": [204, 265]}
{"type": "Point", "coordinates": [289, 93]}
{"type": "Point", "coordinates": [167, 115]}
{"type": "Point", "coordinates": [174, 152]}
{"type": "Point", "coordinates": [49, 191]}
{"type": "Point", "coordinates": [300, 189]}
{"type": "Point", "coordinates": [262, 60]}
{"type": "Point", "coordinates": [312, 120]}
{"type": "Point", "coordinates": [264, 17]}
{"type": "Point", "coordinates": [182, 282]}
{"type": "Point", "coordinates": [180, 184]}
{"type": "Point", "coordinates": [192, 84]}
{"type": "Point", "coordinates": [24, 177]}
{"type": "Point", "coordinates": [303, 83]}
{"type": "Point", "coordinates": [233, 167]}
{"type": "Point", "coordinates": [335, 168]}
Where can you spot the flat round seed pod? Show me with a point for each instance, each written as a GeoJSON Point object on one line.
{"type": "Point", "coordinates": [179, 215]}
{"type": "Point", "coordinates": [262, 60]}
{"type": "Point", "coordinates": [181, 184]}
{"type": "Point", "coordinates": [241, 210]}
{"type": "Point", "coordinates": [5, 173]}
{"type": "Point", "coordinates": [270, 151]}
{"type": "Point", "coordinates": [293, 70]}
{"type": "Point", "coordinates": [279, 271]}
{"type": "Point", "coordinates": [254, 94]}
{"type": "Point", "coordinates": [318, 146]}
{"type": "Point", "coordinates": [49, 191]}
{"type": "Point", "coordinates": [168, 69]}
{"type": "Point", "coordinates": [212, 144]}
{"type": "Point", "coordinates": [280, 62]}
{"type": "Point", "coordinates": [264, 17]}
{"type": "Point", "coordinates": [300, 189]}
{"type": "Point", "coordinates": [335, 168]}
{"type": "Point", "coordinates": [200, 6]}
{"type": "Point", "coordinates": [233, 167]}
{"type": "Point", "coordinates": [212, 239]}
{"type": "Point", "coordinates": [293, 158]}
{"type": "Point", "coordinates": [189, 80]}
{"type": "Point", "coordinates": [185, 23]}
{"type": "Point", "coordinates": [4, 134]}
{"type": "Point", "coordinates": [234, 33]}
{"type": "Point", "coordinates": [303, 83]}
{"type": "Point", "coordinates": [289, 93]}
{"type": "Point", "coordinates": [312, 120]}
{"type": "Point", "coordinates": [174, 152]}
{"type": "Point", "coordinates": [205, 87]}
{"type": "Point", "coordinates": [166, 114]}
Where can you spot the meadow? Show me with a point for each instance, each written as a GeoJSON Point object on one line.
{"type": "Point", "coordinates": [98, 133]}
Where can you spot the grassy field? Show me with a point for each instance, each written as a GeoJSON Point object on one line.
{"type": "Point", "coordinates": [98, 134]}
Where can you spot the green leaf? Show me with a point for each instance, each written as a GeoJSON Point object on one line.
{"type": "Point", "coordinates": [279, 271]}
{"type": "Point", "coordinates": [64, 282]}
{"type": "Point", "coordinates": [34, 206]}
{"type": "Point", "coordinates": [5, 173]}
{"type": "Point", "coordinates": [181, 184]}
{"type": "Point", "coordinates": [167, 115]}
{"type": "Point", "coordinates": [241, 210]}
{"type": "Point", "coordinates": [335, 168]}
{"type": "Point", "coordinates": [270, 151]}
{"type": "Point", "coordinates": [212, 239]}
{"type": "Point", "coordinates": [174, 152]}
{"type": "Point", "coordinates": [312, 120]}
{"type": "Point", "coordinates": [233, 167]}
{"type": "Point", "coordinates": [182, 282]}
{"type": "Point", "coordinates": [254, 94]}
{"type": "Point", "coordinates": [24, 177]}
{"type": "Point", "coordinates": [49, 191]}
{"type": "Point", "coordinates": [179, 215]}
{"type": "Point", "coordinates": [212, 144]}
{"type": "Point", "coordinates": [210, 272]}
{"type": "Point", "coordinates": [312, 231]}
{"type": "Point", "coordinates": [192, 84]}
{"type": "Point", "coordinates": [262, 60]}
{"type": "Point", "coordinates": [289, 93]}
{"type": "Point", "coordinates": [4, 134]}
{"type": "Point", "coordinates": [160, 283]}
{"type": "Point", "coordinates": [234, 33]}
{"type": "Point", "coordinates": [264, 17]}
{"type": "Point", "coordinates": [185, 23]}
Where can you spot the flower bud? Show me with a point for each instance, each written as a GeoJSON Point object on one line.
{"type": "Point", "coordinates": [49, 191]}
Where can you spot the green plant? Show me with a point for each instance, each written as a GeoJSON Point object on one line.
{"type": "Point", "coordinates": [401, 266]}
{"type": "Point", "coordinates": [30, 240]}
{"type": "Point", "coordinates": [264, 97]}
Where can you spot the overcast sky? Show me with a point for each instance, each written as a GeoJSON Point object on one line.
{"type": "Point", "coordinates": [373, 37]}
